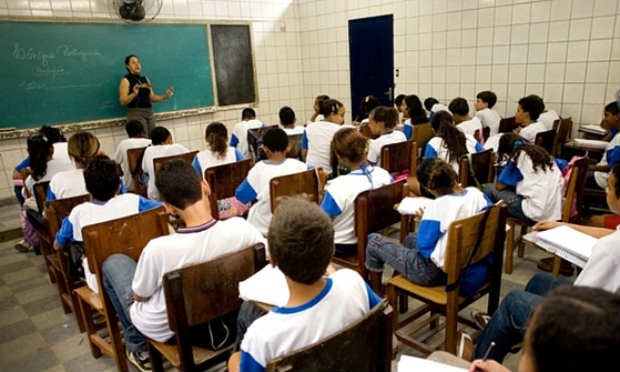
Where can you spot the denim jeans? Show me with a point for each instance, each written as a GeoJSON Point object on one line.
{"type": "Point", "coordinates": [117, 273]}
{"type": "Point", "coordinates": [248, 313]}
{"type": "Point", "coordinates": [512, 199]}
{"type": "Point", "coordinates": [406, 259]}
{"type": "Point", "coordinates": [508, 324]}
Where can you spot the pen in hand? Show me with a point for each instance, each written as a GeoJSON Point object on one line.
{"type": "Point", "coordinates": [486, 354]}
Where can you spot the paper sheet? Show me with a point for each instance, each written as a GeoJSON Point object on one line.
{"type": "Point", "coordinates": [594, 144]}
{"type": "Point", "coordinates": [268, 286]}
{"type": "Point", "coordinates": [409, 363]}
{"type": "Point", "coordinates": [411, 205]}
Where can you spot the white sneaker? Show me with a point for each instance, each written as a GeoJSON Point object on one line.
{"type": "Point", "coordinates": [141, 360]}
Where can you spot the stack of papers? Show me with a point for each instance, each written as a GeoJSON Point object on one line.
{"type": "Point", "coordinates": [411, 205]}
{"type": "Point", "coordinates": [592, 128]}
{"type": "Point", "coordinates": [566, 242]}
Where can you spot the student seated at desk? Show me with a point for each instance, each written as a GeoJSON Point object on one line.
{"type": "Point", "coordinates": [301, 245]}
{"type": "Point", "coordinates": [239, 137]}
{"type": "Point", "coordinates": [508, 324]}
{"type": "Point", "coordinates": [611, 156]}
{"type": "Point", "coordinates": [135, 288]}
{"type": "Point", "coordinates": [489, 118]}
{"type": "Point", "coordinates": [102, 181]}
{"type": "Point", "coordinates": [530, 184]}
{"type": "Point", "coordinates": [421, 257]}
{"type": "Point", "coordinates": [287, 122]}
{"type": "Point", "coordinates": [572, 330]}
{"type": "Point", "coordinates": [416, 114]}
{"type": "Point", "coordinates": [382, 121]}
{"type": "Point", "coordinates": [464, 122]}
{"type": "Point", "coordinates": [256, 184]}
{"type": "Point", "coordinates": [316, 109]}
{"type": "Point", "coordinates": [611, 120]}
{"type": "Point", "coordinates": [137, 138]}
{"type": "Point", "coordinates": [528, 111]}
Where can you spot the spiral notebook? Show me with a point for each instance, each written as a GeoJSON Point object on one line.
{"type": "Point", "coordinates": [565, 242]}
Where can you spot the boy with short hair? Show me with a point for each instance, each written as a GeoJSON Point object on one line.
{"type": "Point", "coordinates": [256, 184]}
{"type": "Point", "coordinates": [103, 183]}
{"type": "Point", "coordinates": [464, 122]}
{"type": "Point", "coordinates": [528, 110]}
{"type": "Point", "coordinates": [137, 138]}
{"type": "Point", "coordinates": [162, 147]}
{"type": "Point", "coordinates": [301, 245]}
{"type": "Point", "coordinates": [489, 118]}
{"type": "Point", "coordinates": [239, 136]}
{"type": "Point", "coordinates": [135, 288]}
{"type": "Point", "coordinates": [287, 121]}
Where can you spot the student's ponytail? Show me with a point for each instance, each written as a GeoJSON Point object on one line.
{"type": "Point", "coordinates": [217, 137]}
{"type": "Point", "coordinates": [454, 140]}
{"type": "Point", "coordinates": [329, 106]}
{"type": "Point", "coordinates": [39, 150]}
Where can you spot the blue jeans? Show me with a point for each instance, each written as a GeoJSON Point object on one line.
{"type": "Point", "coordinates": [117, 274]}
{"type": "Point", "coordinates": [406, 259]}
{"type": "Point", "coordinates": [508, 324]}
{"type": "Point", "coordinates": [248, 313]}
{"type": "Point", "coordinates": [512, 200]}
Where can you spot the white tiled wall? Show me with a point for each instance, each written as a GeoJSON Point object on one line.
{"type": "Point", "coordinates": [567, 51]}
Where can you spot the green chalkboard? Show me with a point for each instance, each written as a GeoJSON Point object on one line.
{"type": "Point", "coordinates": [69, 72]}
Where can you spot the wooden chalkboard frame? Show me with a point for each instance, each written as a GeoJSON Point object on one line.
{"type": "Point", "coordinates": [11, 130]}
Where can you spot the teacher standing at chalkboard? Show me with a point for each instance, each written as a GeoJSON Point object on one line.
{"type": "Point", "coordinates": [136, 92]}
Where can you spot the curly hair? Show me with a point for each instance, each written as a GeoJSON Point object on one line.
{"type": "Point", "coordinates": [453, 139]}
{"type": "Point", "coordinates": [437, 175]}
{"type": "Point", "coordinates": [350, 144]}
{"type": "Point", "coordinates": [511, 146]}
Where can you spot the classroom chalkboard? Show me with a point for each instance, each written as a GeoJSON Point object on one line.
{"type": "Point", "coordinates": [56, 73]}
{"type": "Point", "coordinates": [232, 61]}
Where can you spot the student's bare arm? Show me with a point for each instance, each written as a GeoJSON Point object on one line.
{"type": "Point", "coordinates": [597, 232]}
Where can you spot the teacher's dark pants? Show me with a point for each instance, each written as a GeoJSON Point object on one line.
{"type": "Point", "coordinates": [143, 115]}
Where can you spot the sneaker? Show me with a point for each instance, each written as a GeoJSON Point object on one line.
{"type": "Point", "coordinates": [141, 360]}
{"type": "Point", "coordinates": [481, 319]}
{"type": "Point", "coordinates": [465, 349]}
{"type": "Point", "coordinates": [22, 246]}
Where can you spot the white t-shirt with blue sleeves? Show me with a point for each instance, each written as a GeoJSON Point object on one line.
{"type": "Point", "coordinates": [209, 158]}
{"type": "Point", "coordinates": [541, 190]}
{"type": "Point", "coordinates": [239, 136]}
{"type": "Point", "coordinates": [69, 184]}
{"type": "Point", "coordinates": [436, 148]}
{"type": "Point", "coordinates": [610, 158]}
{"type": "Point", "coordinates": [317, 139]}
{"type": "Point", "coordinates": [92, 212]}
{"type": "Point", "coordinates": [439, 214]}
{"type": "Point", "coordinates": [339, 199]}
{"type": "Point", "coordinates": [345, 299]}
{"type": "Point", "coordinates": [256, 186]}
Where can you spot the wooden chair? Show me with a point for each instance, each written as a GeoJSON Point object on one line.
{"type": "Point", "coordinates": [55, 212]}
{"type": "Point", "coordinates": [304, 183]}
{"type": "Point", "coordinates": [294, 142]}
{"type": "Point", "coordinates": [127, 235]}
{"type": "Point", "coordinates": [224, 179]}
{"type": "Point", "coordinates": [484, 230]}
{"type": "Point", "coordinates": [545, 139]}
{"type": "Point", "coordinates": [187, 157]}
{"type": "Point", "coordinates": [399, 158]}
{"type": "Point", "coordinates": [365, 345]}
{"type": "Point", "coordinates": [507, 124]}
{"type": "Point", "coordinates": [134, 160]}
{"type": "Point", "coordinates": [255, 139]}
{"type": "Point", "coordinates": [40, 194]}
{"type": "Point", "coordinates": [563, 133]}
{"type": "Point", "coordinates": [477, 169]}
{"type": "Point", "coordinates": [573, 202]}
{"type": "Point", "coordinates": [197, 294]}
{"type": "Point", "coordinates": [422, 133]}
{"type": "Point", "coordinates": [374, 211]}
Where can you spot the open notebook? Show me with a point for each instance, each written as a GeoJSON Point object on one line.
{"type": "Point", "coordinates": [268, 285]}
{"type": "Point", "coordinates": [566, 242]}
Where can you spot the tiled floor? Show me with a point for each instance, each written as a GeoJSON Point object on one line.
{"type": "Point", "coordinates": [36, 335]}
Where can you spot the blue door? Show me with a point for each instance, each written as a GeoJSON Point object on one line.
{"type": "Point", "coordinates": [371, 60]}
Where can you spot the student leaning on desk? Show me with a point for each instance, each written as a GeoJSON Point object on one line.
{"type": "Point", "coordinates": [508, 324]}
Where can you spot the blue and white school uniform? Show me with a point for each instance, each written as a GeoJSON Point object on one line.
{"type": "Point", "coordinates": [339, 199]}
{"type": "Point", "coordinates": [375, 145]}
{"type": "Point", "coordinates": [209, 158]}
{"type": "Point", "coordinates": [436, 108]}
{"type": "Point", "coordinates": [530, 132]}
{"type": "Point", "coordinates": [407, 129]}
{"type": "Point", "coordinates": [541, 190]}
{"type": "Point", "coordinates": [436, 148]}
{"type": "Point", "coordinates": [120, 157]}
{"type": "Point", "coordinates": [345, 299]}
{"type": "Point", "coordinates": [67, 184]}
{"type": "Point", "coordinates": [610, 158]}
{"type": "Point", "coordinates": [548, 118]}
{"type": "Point", "coordinates": [439, 214]}
{"type": "Point", "coordinates": [317, 139]}
{"type": "Point", "coordinates": [92, 212]}
{"type": "Point", "coordinates": [239, 136]}
{"type": "Point", "coordinates": [470, 126]}
{"type": "Point", "coordinates": [256, 186]}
